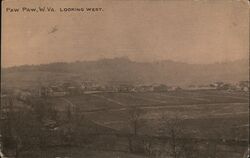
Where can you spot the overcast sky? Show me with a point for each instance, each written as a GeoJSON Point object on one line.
{"type": "Point", "coordinates": [201, 31]}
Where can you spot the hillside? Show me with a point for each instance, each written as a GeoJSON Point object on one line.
{"type": "Point", "coordinates": [125, 70]}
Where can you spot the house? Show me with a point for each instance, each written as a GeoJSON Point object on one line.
{"type": "Point", "coordinates": [24, 95]}
{"type": "Point", "coordinates": [59, 93]}
{"type": "Point", "coordinates": [45, 91]}
{"type": "Point", "coordinates": [52, 91]}
{"type": "Point", "coordinates": [144, 88]}
{"type": "Point", "coordinates": [117, 86]}
{"type": "Point", "coordinates": [244, 86]}
{"type": "Point", "coordinates": [90, 85]}
{"type": "Point", "coordinates": [110, 88]}
{"type": "Point", "coordinates": [174, 88]}
{"type": "Point", "coordinates": [72, 90]}
{"type": "Point", "coordinates": [223, 86]}
{"type": "Point", "coordinates": [125, 88]}
{"type": "Point", "coordinates": [50, 124]}
{"type": "Point", "coordinates": [161, 88]}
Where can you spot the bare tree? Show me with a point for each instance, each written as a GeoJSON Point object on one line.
{"type": "Point", "coordinates": [17, 129]}
{"type": "Point", "coordinates": [136, 122]}
{"type": "Point", "coordinates": [177, 144]}
{"type": "Point", "coordinates": [173, 130]}
{"type": "Point", "coordinates": [135, 119]}
{"type": "Point", "coordinates": [189, 148]}
{"type": "Point", "coordinates": [148, 144]}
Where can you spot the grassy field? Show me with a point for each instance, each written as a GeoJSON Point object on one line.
{"type": "Point", "coordinates": [203, 112]}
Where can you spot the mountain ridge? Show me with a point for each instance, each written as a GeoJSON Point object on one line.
{"type": "Point", "coordinates": [125, 70]}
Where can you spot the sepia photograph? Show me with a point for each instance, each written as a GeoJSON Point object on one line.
{"type": "Point", "coordinates": [124, 79]}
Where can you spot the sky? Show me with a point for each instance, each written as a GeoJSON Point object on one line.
{"type": "Point", "coordinates": [191, 31]}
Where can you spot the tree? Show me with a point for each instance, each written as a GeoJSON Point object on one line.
{"type": "Point", "coordinates": [136, 122]}
{"type": "Point", "coordinates": [135, 119]}
{"type": "Point", "coordinates": [17, 129]}
{"type": "Point", "coordinates": [148, 143]}
{"type": "Point", "coordinates": [7, 126]}
{"type": "Point", "coordinates": [173, 130]}
{"type": "Point", "coordinates": [177, 144]}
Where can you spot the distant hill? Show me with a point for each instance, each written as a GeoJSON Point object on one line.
{"type": "Point", "coordinates": [125, 70]}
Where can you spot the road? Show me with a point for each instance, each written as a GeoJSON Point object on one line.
{"type": "Point", "coordinates": [164, 107]}
{"type": "Point", "coordinates": [222, 96]}
{"type": "Point", "coordinates": [110, 100]}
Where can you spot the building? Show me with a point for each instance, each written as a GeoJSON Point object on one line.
{"type": "Point", "coordinates": [161, 88]}
{"type": "Point", "coordinates": [244, 86]}
{"type": "Point", "coordinates": [90, 85]}
{"type": "Point", "coordinates": [144, 88]}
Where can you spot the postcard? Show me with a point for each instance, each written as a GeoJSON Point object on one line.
{"type": "Point", "coordinates": [124, 79]}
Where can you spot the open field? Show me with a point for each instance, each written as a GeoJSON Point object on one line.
{"type": "Point", "coordinates": [116, 100]}
{"type": "Point", "coordinates": [203, 112]}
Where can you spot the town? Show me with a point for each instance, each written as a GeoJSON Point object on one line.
{"type": "Point", "coordinates": [85, 87]}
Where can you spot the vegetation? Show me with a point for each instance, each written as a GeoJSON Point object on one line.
{"type": "Point", "coordinates": [38, 124]}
